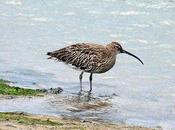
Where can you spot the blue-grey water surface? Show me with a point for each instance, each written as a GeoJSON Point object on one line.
{"type": "Point", "coordinates": [145, 94]}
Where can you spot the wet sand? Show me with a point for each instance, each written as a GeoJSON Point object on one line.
{"type": "Point", "coordinates": [75, 105]}
{"type": "Point", "coordinates": [58, 123]}
{"type": "Point", "coordinates": [27, 121]}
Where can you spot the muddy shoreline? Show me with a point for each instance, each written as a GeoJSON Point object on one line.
{"type": "Point", "coordinates": [73, 103]}
{"type": "Point", "coordinates": [20, 120]}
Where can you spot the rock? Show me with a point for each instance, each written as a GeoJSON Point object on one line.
{"type": "Point", "coordinates": [55, 90]}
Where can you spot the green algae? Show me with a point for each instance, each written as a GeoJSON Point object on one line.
{"type": "Point", "coordinates": [6, 89]}
{"type": "Point", "coordinates": [23, 118]}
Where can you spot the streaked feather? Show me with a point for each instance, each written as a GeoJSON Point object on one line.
{"type": "Point", "coordinates": [84, 56]}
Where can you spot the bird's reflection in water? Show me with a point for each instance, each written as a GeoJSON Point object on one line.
{"type": "Point", "coordinates": [82, 97]}
{"type": "Point", "coordinates": [80, 102]}
{"type": "Point", "coordinates": [86, 101]}
{"type": "Point", "coordinates": [85, 97]}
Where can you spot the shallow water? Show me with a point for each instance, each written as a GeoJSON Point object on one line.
{"type": "Point", "coordinates": [145, 94]}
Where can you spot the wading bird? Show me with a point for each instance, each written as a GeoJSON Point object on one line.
{"type": "Point", "coordinates": [90, 57]}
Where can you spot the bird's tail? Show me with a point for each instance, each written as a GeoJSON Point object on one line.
{"type": "Point", "coordinates": [49, 54]}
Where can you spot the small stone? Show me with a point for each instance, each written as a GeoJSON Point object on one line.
{"type": "Point", "coordinates": [114, 94]}
{"type": "Point", "coordinates": [55, 90]}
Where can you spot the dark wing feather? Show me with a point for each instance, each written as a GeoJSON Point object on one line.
{"type": "Point", "coordinates": [82, 56]}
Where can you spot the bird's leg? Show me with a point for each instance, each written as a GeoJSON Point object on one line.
{"type": "Point", "coordinates": [80, 77]}
{"type": "Point", "coordinates": [90, 79]}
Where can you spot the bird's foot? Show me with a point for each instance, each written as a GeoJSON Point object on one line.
{"type": "Point", "coordinates": [89, 93]}
{"type": "Point", "coordinates": [80, 92]}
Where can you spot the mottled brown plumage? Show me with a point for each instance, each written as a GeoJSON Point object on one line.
{"type": "Point", "coordinates": [89, 57]}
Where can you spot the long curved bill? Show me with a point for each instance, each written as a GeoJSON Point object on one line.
{"type": "Point", "coordinates": [123, 51]}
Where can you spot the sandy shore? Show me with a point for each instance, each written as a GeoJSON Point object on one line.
{"type": "Point", "coordinates": [25, 121]}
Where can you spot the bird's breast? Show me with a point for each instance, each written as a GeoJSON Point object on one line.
{"type": "Point", "coordinates": [104, 65]}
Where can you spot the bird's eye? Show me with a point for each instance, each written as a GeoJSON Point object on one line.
{"type": "Point", "coordinates": [118, 47]}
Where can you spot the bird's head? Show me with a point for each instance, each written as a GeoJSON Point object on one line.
{"type": "Point", "coordinates": [119, 49]}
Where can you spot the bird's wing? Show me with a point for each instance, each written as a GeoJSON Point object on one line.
{"type": "Point", "coordinates": [82, 56]}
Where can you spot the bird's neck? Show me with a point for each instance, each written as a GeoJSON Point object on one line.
{"type": "Point", "coordinates": [111, 47]}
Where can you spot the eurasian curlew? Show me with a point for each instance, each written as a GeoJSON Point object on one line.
{"type": "Point", "coordinates": [90, 57]}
